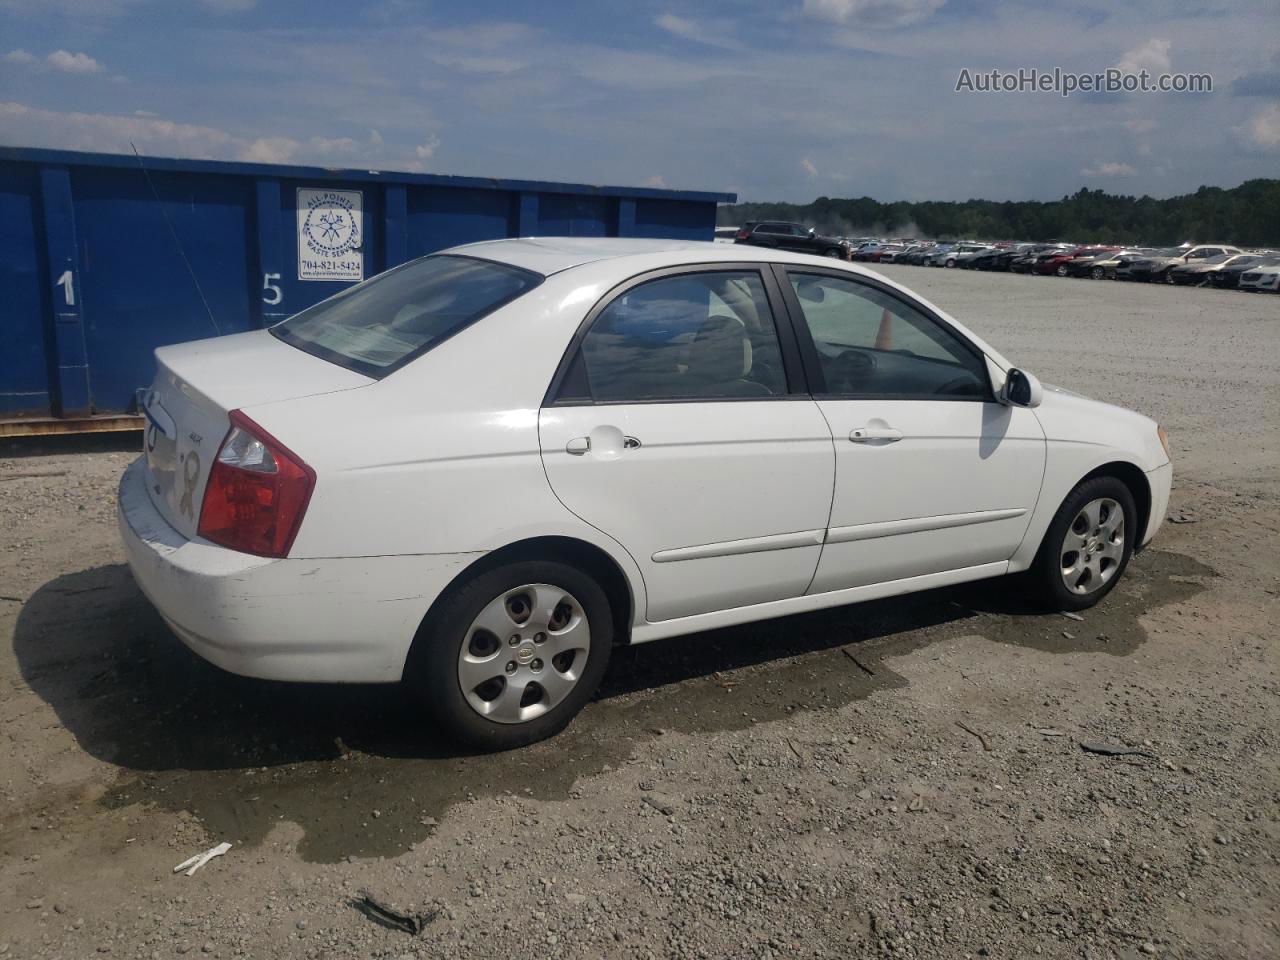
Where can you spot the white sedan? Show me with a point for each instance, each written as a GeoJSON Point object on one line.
{"type": "Point", "coordinates": [1262, 278]}
{"type": "Point", "coordinates": [480, 471]}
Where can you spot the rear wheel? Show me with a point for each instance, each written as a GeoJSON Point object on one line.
{"type": "Point", "coordinates": [1062, 270]}
{"type": "Point", "coordinates": [834, 252]}
{"type": "Point", "coordinates": [1097, 273]}
{"type": "Point", "coordinates": [1087, 546]}
{"type": "Point", "coordinates": [512, 656]}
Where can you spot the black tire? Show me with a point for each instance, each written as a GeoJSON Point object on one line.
{"type": "Point", "coordinates": [1097, 273]}
{"type": "Point", "coordinates": [1062, 270]}
{"type": "Point", "coordinates": [833, 252]}
{"type": "Point", "coordinates": [1045, 575]}
{"type": "Point", "coordinates": [432, 672]}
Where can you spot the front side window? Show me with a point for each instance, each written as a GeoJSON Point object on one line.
{"type": "Point", "coordinates": [703, 336]}
{"type": "Point", "coordinates": [871, 344]}
{"type": "Point", "coordinates": [386, 321]}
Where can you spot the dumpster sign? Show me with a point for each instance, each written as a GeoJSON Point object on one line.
{"type": "Point", "coordinates": [330, 234]}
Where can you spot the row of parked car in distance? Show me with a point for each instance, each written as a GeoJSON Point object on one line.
{"type": "Point", "coordinates": [1205, 264]}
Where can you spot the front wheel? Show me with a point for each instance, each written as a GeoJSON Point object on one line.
{"type": "Point", "coordinates": [1087, 546]}
{"type": "Point", "coordinates": [1097, 273]}
{"type": "Point", "coordinates": [834, 252]}
{"type": "Point", "coordinates": [1062, 270]}
{"type": "Point", "coordinates": [511, 657]}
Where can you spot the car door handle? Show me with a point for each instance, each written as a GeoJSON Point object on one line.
{"type": "Point", "coordinates": [873, 434]}
{"type": "Point", "coordinates": [579, 446]}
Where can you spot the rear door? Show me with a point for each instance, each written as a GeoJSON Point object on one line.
{"type": "Point", "coordinates": [932, 474]}
{"type": "Point", "coordinates": [679, 425]}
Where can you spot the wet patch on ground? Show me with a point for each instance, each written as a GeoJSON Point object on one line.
{"type": "Point", "coordinates": [353, 766]}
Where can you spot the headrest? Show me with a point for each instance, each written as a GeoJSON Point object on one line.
{"type": "Point", "coordinates": [720, 352]}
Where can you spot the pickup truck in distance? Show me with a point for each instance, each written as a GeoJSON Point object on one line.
{"type": "Point", "coordinates": [791, 236]}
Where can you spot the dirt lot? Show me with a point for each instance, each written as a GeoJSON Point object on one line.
{"type": "Point", "coordinates": [903, 778]}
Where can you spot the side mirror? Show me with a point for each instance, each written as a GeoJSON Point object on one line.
{"type": "Point", "coordinates": [1021, 389]}
{"type": "Point", "coordinates": [813, 232]}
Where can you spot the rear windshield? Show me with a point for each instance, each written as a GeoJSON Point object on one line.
{"type": "Point", "coordinates": [383, 323]}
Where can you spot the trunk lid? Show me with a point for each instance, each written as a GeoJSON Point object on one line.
{"type": "Point", "coordinates": [196, 386]}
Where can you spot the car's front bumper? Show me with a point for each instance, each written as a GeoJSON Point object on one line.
{"type": "Point", "coordinates": [1160, 480]}
{"type": "Point", "coordinates": [1267, 282]}
{"type": "Point", "coordinates": [348, 620]}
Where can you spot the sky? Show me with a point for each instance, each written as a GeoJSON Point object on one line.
{"type": "Point", "coordinates": [770, 99]}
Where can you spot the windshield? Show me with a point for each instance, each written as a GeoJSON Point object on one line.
{"type": "Point", "coordinates": [383, 323]}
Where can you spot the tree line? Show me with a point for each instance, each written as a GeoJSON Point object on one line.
{"type": "Point", "coordinates": [1247, 215]}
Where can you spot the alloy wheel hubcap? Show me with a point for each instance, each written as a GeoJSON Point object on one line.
{"type": "Point", "coordinates": [523, 653]}
{"type": "Point", "coordinates": [1093, 546]}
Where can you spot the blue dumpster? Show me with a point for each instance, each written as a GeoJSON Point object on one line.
{"type": "Point", "coordinates": [103, 258]}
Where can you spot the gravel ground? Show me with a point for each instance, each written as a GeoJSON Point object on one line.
{"type": "Point", "coordinates": [903, 778]}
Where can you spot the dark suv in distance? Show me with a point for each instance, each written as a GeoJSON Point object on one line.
{"type": "Point", "coordinates": [791, 236]}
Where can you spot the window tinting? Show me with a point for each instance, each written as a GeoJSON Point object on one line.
{"type": "Point", "coordinates": [873, 344]}
{"type": "Point", "coordinates": [377, 325]}
{"type": "Point", "coordinates": [693, 336]}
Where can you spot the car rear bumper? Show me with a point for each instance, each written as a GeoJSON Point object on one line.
{"type": "Point", "coordinates": [1161, 482]}
{"type": "Point", "coordinates": [346, 620]}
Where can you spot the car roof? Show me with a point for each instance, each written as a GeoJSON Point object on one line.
{"type": "Point", "coordinates": [548, 255]}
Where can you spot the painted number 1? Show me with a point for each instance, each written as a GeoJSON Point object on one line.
{"type": "Point", "coordinates": [67, 283]}
{"type": "Point", "coordinates": [271, 294]}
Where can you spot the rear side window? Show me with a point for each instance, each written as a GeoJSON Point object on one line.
{"type": "Point", "coordinates": [700, 336]}
{"type": "Point", "coordinates": [383, 323]}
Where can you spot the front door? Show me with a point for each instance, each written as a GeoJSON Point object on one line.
{"type": "Point", "coordinates": [675, 430]}
{"type": "Point", "coordinates": [932, 474]}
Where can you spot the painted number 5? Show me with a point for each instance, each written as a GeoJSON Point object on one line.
{"type": "Point", "coordinates": [271, 294]}
{"type": "Point", "coordinates": [67, 283]}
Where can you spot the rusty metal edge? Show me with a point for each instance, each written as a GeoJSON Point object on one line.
{"type": "Point", "coordinates": [52, 427]}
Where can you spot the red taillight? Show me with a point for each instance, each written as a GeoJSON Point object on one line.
{"type": "Point", "coordinates": [742, 234]}
{"type": "Point", "coordinates": [257, 492]}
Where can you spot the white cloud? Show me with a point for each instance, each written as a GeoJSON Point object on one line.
{"type": "Point", "coordinates": [112, 133]}
{"type": "Point", "coordinates": [1108, 169]}
{"type": "Point", "coordinates": [873, 13]}
{"type": "Point", "coordinates": [79, 8]}
{"type": "Point", "coordinates": [230, 6]}
{"type": "Point", "coordinates": [654, 181]}
{"type": "Point", "coordinates": [425, 151]}
{"type": "Point", "coordinates": [808, 167]}
{"type": "Point", "coordinates": [334, 144]}
{"type": "Point", "coordinates": [1264, 128]}
{"type": "Point", "coordinates": [482, 65]}
{"type": "Point", "coordinates": [1152, 56]}
{"type": "Point", "coordinates": [69, 62]}
{"type": "Point", "coordinates": [20, 56]}
{"type": "Point", "coordinates": [686, 29]}
{"type": "Point", "coordinates": [109, 132]}
{"type": "Point", "coordinates": [269, 150]}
